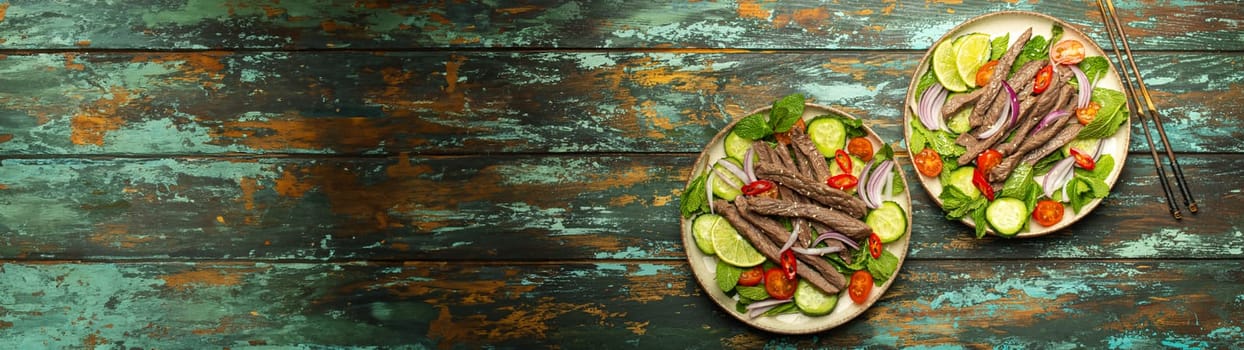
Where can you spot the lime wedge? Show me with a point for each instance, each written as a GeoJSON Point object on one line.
{"type": "Point", "coordinates": [733, 248]}
{"type": "Point", "coordinates": [703, 228]}
{"type": "Point", "coordinates": [945, 68]}
{"type": "Point", "coordinates": [970, 54]}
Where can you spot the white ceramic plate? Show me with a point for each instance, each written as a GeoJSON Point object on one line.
{"type": "Point", "coordinates": [704, 266]}
{"type": "Point", "coordinates": [1015, 23]}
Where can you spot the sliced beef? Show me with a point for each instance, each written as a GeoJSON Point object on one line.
{"type": "Point", "coordinates": [957, 102]}
{"type": "Point", "coordinates": [779, 235]}
{"type": "Point", "coordinates": [843, 223]}
{"type": "Point", "coordinates": [1064, 136]}
{"type": "Point", "coordinates": [768, 248]}
{"type": "Point", "coordinates": [817, 191]}
{"type": "Point", "coordinates": [989, 97]}
{"type": "Point", "coordinates": [816, 161]}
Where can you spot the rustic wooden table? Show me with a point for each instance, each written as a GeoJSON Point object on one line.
{"type": "Point", "coordinates": [202, 174]}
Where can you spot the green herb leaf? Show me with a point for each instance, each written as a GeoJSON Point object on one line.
{"type": "Point", "coordinates": [883, 267]}
{"type": "Point", "coordinates": [1035, 50]}
{"type": "Point", "coordinates": [998, 46]}
{"type": "Point", "coordinates": [1056, 34]}
{"type": "Point", "coordinates": [753, 293]}
{"type": "Point", "coordinates": [1094, 67]}
{"type": "Point", "coordinates": [1088, 185]}
{"type": "Point", "coordinates": [727, 276]}
{"type": "Point", "coordinates": [1015, 186]}
{"type": "Point", "coordinates": [781, 309]}
{"type": "Point", "coordinates": [941, 141]}
{"type": "Point", "coordinates": [978, 217]}
{"type": "Point", "coordinates": [1109, 118]}
{"type": "Point", "coordinates": [694, 199]}
{"type": "Point", "coordinates": [753, 127]}
{"type": "Point", "coordinates": [885, 153]}
{"type": "Point", "coordinates": [958, 205]}
{"type": "Point", "coordinates": [786, 112]}
{"type": "Point", "coordinates": [926, 80]}
{"type": "Point", "coordinates": [949, 164]}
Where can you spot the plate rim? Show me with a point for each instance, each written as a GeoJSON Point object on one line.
{"type": "Point", "coordinates": [1126, 131]}
{"type": "Point", "coordinates": [708, 283]}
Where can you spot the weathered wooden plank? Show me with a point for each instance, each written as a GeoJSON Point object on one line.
{"type": "Point", "coordinates": [320, 24]}
{"type": "Point", "coordinates": [479, 102]}
{"type": "Point", "coordinates": [1094, 304]}
{"type": "Point", "coordinates": [499, 207]}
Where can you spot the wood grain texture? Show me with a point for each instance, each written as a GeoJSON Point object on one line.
{"type": "Point", "coordinates": [370, 24]}
{"type": "Point", "coordinates": [531, 208]}
{"type": "Point", "coordinates": [483, 102]}
{"type": "Point", "coordinates": [1099, 304]}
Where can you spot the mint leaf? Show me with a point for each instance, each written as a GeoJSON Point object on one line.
{"type": "Point", "coordinates": [727, 276]}
{"type": "Point", "coordinates": [885, 153]}
{"type": "Point", "coordinates": [753, 293]}
{"type": "Point", "coordinates": [785, 308]}
{"type": "Point", "coordinates": [927, 80]}
{"type": "Point", "coordinates": [978, 217]}
{"type": "Point", "coordinates": [786, 112]}
{"type": "Point", "coordinates": [1109, 118]}
{"type": "Point", "coordinates": [694, 199]}
{"type": "Point", "coordinates": [1015, 186]}
{"type": "Point", "coordinates": [883, 267]}
{"type": "Point", "coordinates": [752, 127]}
{"type": "Point", "coordinates": [957, 204]}
{"type": "Point", "coordinates": [998, 46]}
{"type": "Point", "coordinates": [1035, 50]}
{"type": "Point", "coordinates": [1094, 68]}
{"type": "Point", "coordinates": [941, 141]}
{"type": "Point", "coordinates": [916, 143]}
{"type": "Point", "coordinates": [1056, 34]}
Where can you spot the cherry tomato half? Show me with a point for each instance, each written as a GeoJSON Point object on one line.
{"type": "Point", "coordinates": [757, 187]}
{"type": "Point", "coordinates": [1067, 52]}
{"type": "Point", "coordinates": [985, 73]}
{"type": "Point", "coordinates": [1042, 81]}
{"type": "Point", "coordinates": [1048, 212]}
{"type": "Point", "coordinates": [861, 285]}
{"type": "Point", "coordinates": [1088, 113]}
{"type": "Point", "coordinates": [860, 147]}
{"type": "Point", "coordinates": [928, 162]}
{"type": "Point", "coordinates": [978, 179]}
{"type": "Point", "coordinates": [988, 159]}
{"type": "Point", "coordinates": [752, 276]}
{"type": "Point", "coordinates": [1083, 161]}
{"type": "Point", "coordinates": [843, 182]}
{"type": "Point", "coordinates": [874, 245]}
{"type": "Point", "coordinates": [843, 160]}
{"type": "Point", "coordinates": [789, 265]}
{"type": "Point", "coordinates": [778, 286]}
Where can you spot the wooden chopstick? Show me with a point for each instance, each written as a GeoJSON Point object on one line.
{"type": "Point", "coordinates": [1180, 181]}
{"type": "Point", "coordinates": [1133, 105]}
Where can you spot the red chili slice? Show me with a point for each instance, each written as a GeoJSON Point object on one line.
{"type": "Point", "coordinates": [843, 160]}
{"type": "Point", "coordinates": [843, 181]}
{"type": "Point", "coordinates": [978, 179]}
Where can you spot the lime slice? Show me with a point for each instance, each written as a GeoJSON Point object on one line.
{"type": "Point", "coordinates": [945, 68]}
{"type": "Point", "coordinates": [732, 248]}
{"type": "Point", "coordinates": [970, 54]}
{"type": "Point", "coordinates": [702, 229]}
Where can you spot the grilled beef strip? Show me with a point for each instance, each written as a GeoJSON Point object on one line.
{"type": "Point", "coordinates": [1064, 136]}
{"type": "Point", "coordinates": [779, 235]}
{"type": "Point", "coordinates": [957, 102]}
{"type": "Point", "coordinates": [1021, 78]}
{"type": "Point", "coordinates": [989, 97]}
{"type": "Point", "coordinates": [817, 191]}
{"type": "Point", "coordinates": [816, 161]}
{"type": "Point", "coordinates": [1003, 169]}
{"type": "Point", "coordinates": [768, 248]}
{"type": "Point", "coordinates": [1047, 104]}
{"type": "Point", "coordinates": [843, 223]}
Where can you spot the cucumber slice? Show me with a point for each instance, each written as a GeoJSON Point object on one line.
{"type": "Point", "coordinates": [812, 301]}
{"type": "Point", "coordinates": [736, 146]}
{"type": "Point", "coordinates": [726, 189]}
{"type": "Point", "coordinates": [961, 178]}
{"type": "Point", "coordinates": [857, 166]}
{"type": "Point", "coordinates": [889, 221]}
{"type": "Point", "coordinates": [702, 229]}
{"type": "Point", "coordinates": [828, 134]}
{"type": "Point", "coordinates": [1006, 215]}
{"type": "Point", "coordinates": [960, 122]}
{"type": "Point", "coordinates": [1084, 146]}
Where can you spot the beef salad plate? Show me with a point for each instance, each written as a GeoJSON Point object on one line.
{"type": "Point", "coordinates": [1017, 124]}
{"type": "Point", "coordinates": [795, 218]}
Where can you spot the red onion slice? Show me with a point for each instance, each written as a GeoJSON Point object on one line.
{"type": "Point", "coordinates": [790, 242]}
{"type": "Point", "coordinates": [930, 117]}
{"type": "Point", "coordinates": [708, 190]}
{"type": "Point", "coordinates": [734, 169]}
{"type": "Point", "coordinates": [1086, 88]}
{"type": "Point", "coordinates": [835, 235]}
{"type": "Point", "coordinates": [816, 251]}
{"type": "Point", "coordinates": [1057, 177]}
{"type": "Point", "coordinates": [875, 183]}
{"type": "Point", "coordinates": [728, 179]}
{"type": "Point", "coordinates": [1049, 118]}
{"type": "Point", "coordinates": [760, 307]}
{"type": "Point", "coordinates": [747, 166]}
{"type": "Point", "coordinates": [863, 181]}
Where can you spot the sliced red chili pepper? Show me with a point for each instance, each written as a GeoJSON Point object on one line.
{"type": "Point", "coordinates": [843, 181]}
{"type": "Point", "coordinates": [843, 160]}
{"type": "Point", "coordinates": [1042, 81]}
{"type": "Point", "coordinates": [874, 245]}
{"type": "Point", "coordinates": [1083, 161]}
{"type": "Point", "coordinates": [757, 187]}
{"type": "Point", "coordinates": [789, 265]}
{"type": "Point", "coordinates": [978, 179]}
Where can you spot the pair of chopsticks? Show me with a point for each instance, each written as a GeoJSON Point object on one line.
{"type": "Point", "coordinates": [1112, 26]}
